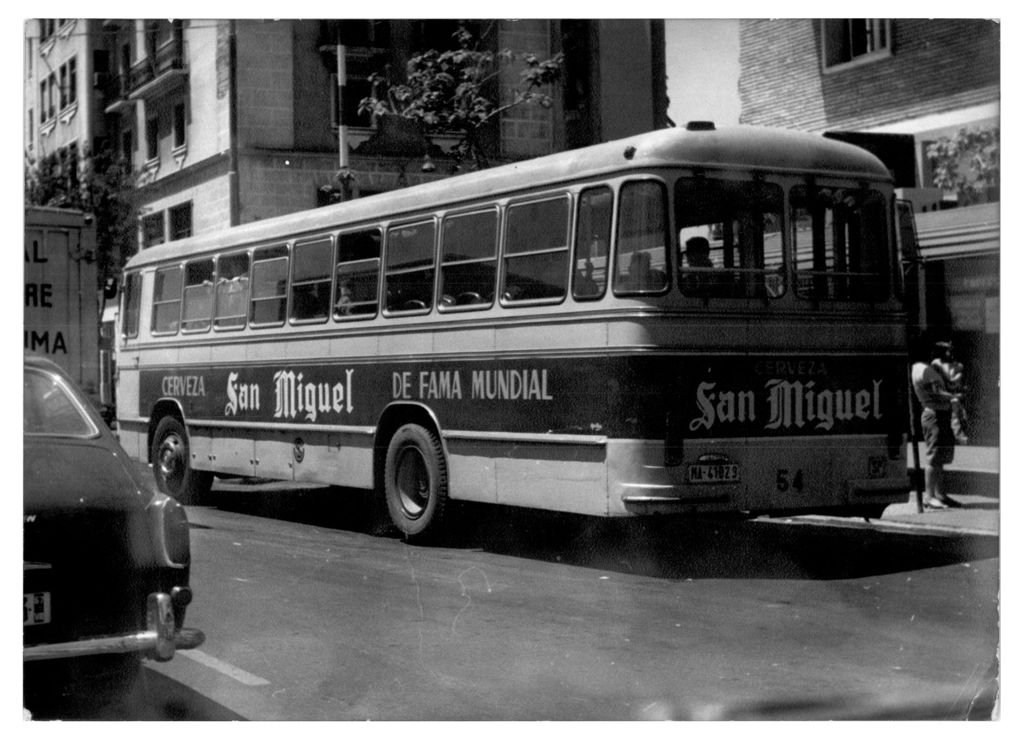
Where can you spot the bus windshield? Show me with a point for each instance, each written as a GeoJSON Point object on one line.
{"type": "Point", "coordinates": [730, 238]}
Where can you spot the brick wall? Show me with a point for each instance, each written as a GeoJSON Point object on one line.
{"type": "Point", "coordinates": [527, 130]}
{"type": "Point", "coordinates": [265, 83]}
{"type": "Point", "coordinates": [935, 66]}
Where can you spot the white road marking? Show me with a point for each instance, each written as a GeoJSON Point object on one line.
{"type": "Point", "coordinates": [226, 668]}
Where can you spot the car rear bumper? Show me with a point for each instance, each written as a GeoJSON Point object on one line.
{"type": "Point", "coordinates": [158, 641]}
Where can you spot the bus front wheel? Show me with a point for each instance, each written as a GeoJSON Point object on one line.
{"type": "Point", "coordinates": [416, 483]}
{"type": "Point", "coordinates": [171, 467]}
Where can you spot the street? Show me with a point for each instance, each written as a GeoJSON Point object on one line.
{"type": "Point", "coordinates": [528, 616]}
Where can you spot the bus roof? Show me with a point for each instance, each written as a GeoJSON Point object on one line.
{"type": "Point", "coordinates": [732, 148]}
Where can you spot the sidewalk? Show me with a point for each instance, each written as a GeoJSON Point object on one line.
{"type": "Point", "coordinates": [972, 480]}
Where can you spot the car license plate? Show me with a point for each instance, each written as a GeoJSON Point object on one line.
{"type": "Point", "coordinates": [37, 608]}
{"type": "Point", "coordinates": [714, 473]}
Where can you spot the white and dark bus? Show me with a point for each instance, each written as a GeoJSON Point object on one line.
{"type": "Point", "coordinates": [693, 320]}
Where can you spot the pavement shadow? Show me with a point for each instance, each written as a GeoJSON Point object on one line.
{"type": "Point", "coordinates": [661, 547]}
{"type": "Point", "coordinates": [154, 698]}
{"type": "Point", "coordinates": [678, 548]}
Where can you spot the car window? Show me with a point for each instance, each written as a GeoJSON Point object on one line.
{"type": "Point", "coordinates": [50, 409]}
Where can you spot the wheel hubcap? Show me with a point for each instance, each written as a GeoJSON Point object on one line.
{"type": "Point", "coordinates": [413, 482]}
{"type": "Point", "coordinates": [171, 461]}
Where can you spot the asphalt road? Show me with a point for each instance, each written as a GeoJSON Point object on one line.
{"type": "Point", "coordinates": [309, 616]}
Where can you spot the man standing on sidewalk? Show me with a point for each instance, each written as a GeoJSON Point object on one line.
{"type": "Point", "coordinates": [936, 422]}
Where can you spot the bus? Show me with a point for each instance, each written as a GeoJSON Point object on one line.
{"type": "Point", "coordinates": [695, 320]}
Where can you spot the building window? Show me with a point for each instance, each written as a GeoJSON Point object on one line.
{"type": "Point", "coordinates": [152, 138]}
{"type": "Point", "coordinates": [179, 125]}
{"type": "Point", "coordinates": [68, 83]}
{"type": "Point", "coordinates": [127, 144]}
{"type": "Point", "coordinates": [153, 230]}
{"type": "Point", "coordinates": [846, 40]}
{"type": "Point", "coordinates": [181, 221]}
{"type": "Point", "coordinates": [47, 27]}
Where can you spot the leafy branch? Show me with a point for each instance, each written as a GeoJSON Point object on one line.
{"type": "Point", "coordinates": [446, 92]}
{"type": "Point", "coordinates": [975, 149]}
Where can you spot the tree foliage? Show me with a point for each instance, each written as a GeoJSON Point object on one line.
{"type": "Point", "coordinates": [447, 92]}
{"type": "Point", "coordinates": [101, 184]}
{"type": "Point", "coordinates": [967, 163]}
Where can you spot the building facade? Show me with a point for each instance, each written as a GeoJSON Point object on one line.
{"type": "Point", "coordinates": [921, 81]}
{"type": "Point", "coordinates": [232, 121]}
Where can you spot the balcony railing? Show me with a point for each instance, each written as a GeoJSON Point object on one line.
{"type": "Point", "coordinates": [158, 71]}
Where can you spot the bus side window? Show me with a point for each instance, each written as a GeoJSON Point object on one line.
{"type": "Point", "coordinates": [131, 302]}
{"type": "Point", "coordinates": [269, 286]}
{"type": "Point", "coordinates": [536, 251]}
{"type": "Point", "coordinates": [469, 260]}
{"type": "Point", "coordinates": [197, 308]}
{"type": "Point", "coordinates": [593, 239]}
{"type": "Point", "coordinates": [167, 300]}
{"type": "Point", "coordinates": [358, 274]}
{"type": "Point", "coordinates": [232, 295]}
{"type": "Point", "coordinates": [409, 276]}
{"type": "Point", "coordinates": [641, 244]}
{"type": "Point", "coordinates": [311, 280]}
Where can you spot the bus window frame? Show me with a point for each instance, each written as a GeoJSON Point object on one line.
{"type": "Point", "coordinates": [284, 247]}
{"type": "Point", "coordinates": [247, 253]}
{"type": "Point", "coordinates": [131, 305]}
{"type": "Point", "coordinates": [884, 267]}
{"type": "Point", "coordinates": [582, 297]}
{"type": "Point", "coordinates": [669, 240]}
{"type": "Point", "coordinates": [292, 284]}
{"type": "Point", "coordinates": [379, 259]}
{"type": "Point", "coordinates": [387, 312]}
{"type": "Point", "coordinates": [212, 284]}
{"type": "Point", "coordinates": [495, 257]}
{"type": "Point", "coordinates": [154, 303]}
{"type": "Point", "coordinates": [731, 280]}
{"type": "Point", "coordinates": [503, 255]}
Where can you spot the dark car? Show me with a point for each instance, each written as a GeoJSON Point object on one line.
{"type": "Point", "coordinates": [106, 556]}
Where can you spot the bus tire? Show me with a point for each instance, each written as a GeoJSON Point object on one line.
{"type": "Point", "coordinates": [171, 468]}
{"type": "Point", "coordinates": [416, 483]}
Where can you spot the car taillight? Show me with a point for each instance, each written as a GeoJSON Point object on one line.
{"type": "Point", "coordinates": [172, 532]}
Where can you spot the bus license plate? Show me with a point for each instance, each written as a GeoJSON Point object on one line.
{"type": "Point", "coordinates": [714, 473]}
{"type": "Point", "coordinates": [37, 608]}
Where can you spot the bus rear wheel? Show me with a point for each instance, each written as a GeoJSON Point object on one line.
{"type": "Point", "coordinates": [416, 483]}
{"type": "Point", "coordinates": [171, 467]}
